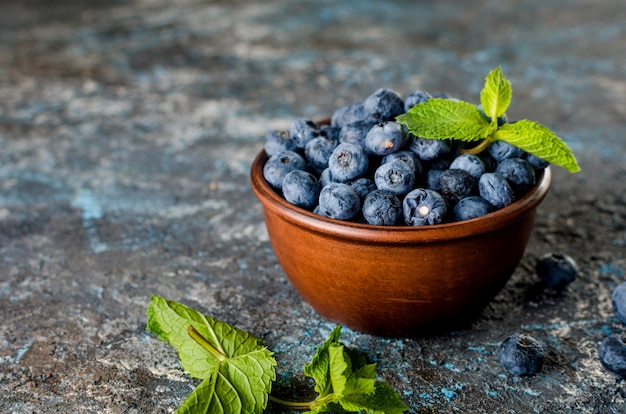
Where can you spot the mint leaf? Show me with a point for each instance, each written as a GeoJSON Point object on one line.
{"type": "Point", "coordinates": [237, 370]}
{"type": "Point", "coordinates": [346, 383]}
{"type": "Point", "coordinates": [495, 97]}
{"type": "Point", "coordinates": [538, 140]}
{"type": "Point", "coordinates": [446, 119]}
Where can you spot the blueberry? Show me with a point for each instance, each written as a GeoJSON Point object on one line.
{"type": "Point", "coordinates": [612, 353]}
{"type": "Point", "coordinates": [424, 206]}
{"type": "Point", "coordinates": [496, 190]}
{"type": "Point", "coordinates": [618, 297]}
{"type": "Point", "coordinates": [277, 141]}
{"type": "Point", "coordinates": [355, 132]}
{"type": "Point", "coordinates": [302, 131]}
{"type": "Point", "coordinates": [501, 150]}
{"type": "Point", "coordinates": [456, 184]}
{"type": "Point", "coordinates": [407, 157]}
{"type": "Point", "coordinates": [301, 189]}
{"type": "Point", "coordinates": [471, 207]}
{"type": "Point", "coordinates": [281, 164]}
{"type": "Point", "coordinates": [394, 176]}
{"type": "Point", "coordinates": [386, 137]}
{"type": "Point", "coordinates": [519, 174]}
{"type": "Point", "coordinates": [318, 151]}
{"type": "Point", "coordinates": [536, 162]}
{"type": "Point", "coordinates": [432, 179]}
{"type": "Point", "coordinates": [363, 186]}
{"type": "Point", "coordinates": [556, 270]}
{"type": "Point", "coordinates": [330, 132]}
{"type": "Point", "coordinates": [326, 177]}
{"type": "Point", "coordinates": [428, 149]}
{"type": "Point", "coordinates": [440, 163]}
{"type": "Point", "coordinates": [382, 208]}
{"type": "Point", "coordinates": [338, 201]}
{"type": "Point", "coordinates": [349, 114]}
{"type": "Point", "coordinates": [414, 98]}
{"type": "Point", "coordinates": [384, 105]}
{"type": "Point", "coordinates": [521, 354]}
{"type": "Point", "coordinates": [347, 162]}
{"type": "Point", "coordinates": [470, 163]}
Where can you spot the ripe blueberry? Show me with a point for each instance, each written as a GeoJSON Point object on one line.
{"type": "Point", "coordinates": [521, 354]}
{"type": "Point", "coordinates": [612, 353]}
{"type": "Point", "coordinates": [496, 190]}
{"type": "Point", "coordinates": [281, 164]}
{"type": "Point", "coordinates": [618, 297]}
{"type": "Point", "coordinates": [424, 206]}
{"type": "Point", "coordinates": [385, 137]}
{"type": "Point", "coordinates": [302, 131]}
{"type": "Point", "coordinates": [338, 201]}
{"type": "Point", "coordinates": [363, 186]}
{"type": "Point", "coordinates": [470, 163]}
{"type": "Point", "coordinates": [349, 114]}
{"type": "Point", "coordinates": [277, 141]}
{"type": "Point", "coordinates": [317, 151]}
{"type": "Point", "coordinates": [519, 174]}
{"type": "Point", "coordinates": [414, 98]}
{"type": "Point", "coordinates": [536, 162]}
{"type": "Point", "coordinates": [382, 208]}
{"type": "Point", "coordinates": [428, 149]}
{"type": "Point", "coordinates": [355, 132]}
{"type": "Point", "coordinates": [384, 105]}
{"type": "Point", "coordinates": [301, 189]}
{"type": "Point", "coordinates": [556, 270]}
{"type": "Point", "coordinates": [347, 162]}
{"type": "Point", "coordinates": [394, 176]}
{"type": "Point", "coordinates": [407, 157]}
{"type": "Point", "coordinates": [501, 150]}
{"type": "Point", "coordinates": [471, 207]}
{"type": "Point", "coordinates": [456, 184]}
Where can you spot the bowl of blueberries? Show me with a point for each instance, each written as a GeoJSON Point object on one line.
{"type": "Point", "coordinates": [390, 233]}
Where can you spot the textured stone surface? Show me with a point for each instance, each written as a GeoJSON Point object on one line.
{"type": "Point", "coordinates": [126, 135]}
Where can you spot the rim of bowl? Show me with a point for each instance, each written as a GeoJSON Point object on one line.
{"type": "Point", "coordinates": [396, 234]}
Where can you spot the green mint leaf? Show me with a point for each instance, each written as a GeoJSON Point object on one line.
{"type": "Point", "coordinates": [538, 140]}
{"type": "Point", "coordinates": [446, 119]}
{"type": "Point", "coordinates": [238, 369]}
{"type": "Point", "coordinates": [319, 367]}
{"type": "Point", "coordinates": [384, 400]}
{"type": "Point", "coordinates": [495, 97]}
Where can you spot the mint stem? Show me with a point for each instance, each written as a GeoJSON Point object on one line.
{"type": "Point", "coordinates": [291, 404]}
{"type": "Point", "coordinates": [202, 341]}
{"type": "Point", "coordinates": [478, 148]}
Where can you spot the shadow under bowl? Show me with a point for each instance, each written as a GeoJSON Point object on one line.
{"type": "Point", "coordinates": [398, 280]}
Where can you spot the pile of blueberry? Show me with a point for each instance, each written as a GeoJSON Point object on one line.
{"type": "Point", "coordinates": [364, 166]}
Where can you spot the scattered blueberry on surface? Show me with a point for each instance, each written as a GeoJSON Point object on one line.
{"type": "Point", "coordinates": [301, 189]}
{"type": "Point", "coordinates": [382, 208]}
{"type": "Point", "coordinates": [347, 162]}
{"type": "Point", "coordinates": [556, 270]}
{"type": "Point", "coordinates": [338, 201]}
{"type": "Point", "coordinates": [521, 354]}
{"type": "Point", "coordinates": [612, 354]}
{"type": "Point", "coordinates": [496, 190]}
{"type": "Point", "coordinates": [618, 297]}
{"type": "Point", "coordinates": [281, 164]}
{"type": "Point", "coordinates": [424, 207]}
{"type": "Point", "coordinates": [394, 176]}
{"type": "Point", "coordinates": [471, 207]}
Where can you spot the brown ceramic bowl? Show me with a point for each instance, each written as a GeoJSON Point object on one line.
{"type": "Point", "coordinates": [397, 281]}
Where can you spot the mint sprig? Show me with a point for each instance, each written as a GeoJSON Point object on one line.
{"type": "Point", "coordinates": [445, 119]}
{"type": "Point", "coordinates": [237, 371]}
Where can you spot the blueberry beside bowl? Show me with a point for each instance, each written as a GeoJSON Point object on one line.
{"type": "Point", "coordinates": [397, 280]}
